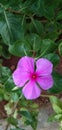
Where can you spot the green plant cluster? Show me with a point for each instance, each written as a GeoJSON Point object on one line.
{"type": "Point", "coordinates": [33, 28]}
{"type": "Point", "coordinates": [57, 107]}
{"type": "Point", "coordinates": [23, 22]}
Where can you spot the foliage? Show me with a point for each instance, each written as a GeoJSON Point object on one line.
{"type": "Point", "coordinates": [33, 28]}
{"type": "Point", "coordinates": [22, 18]}
{"type": "Point", "coordinates": [57, 107]}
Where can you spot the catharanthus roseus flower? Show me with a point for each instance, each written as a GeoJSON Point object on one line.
{"type": "Point", "coordinates": [33, 75]}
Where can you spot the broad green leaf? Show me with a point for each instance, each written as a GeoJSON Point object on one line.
{"type": "Point", "coordinates": [56, 108]}
{"type": "Point", "coordinates": [56, 104]}
{"type": "Point", "coordinates": [1, 10]}
{"type": "Point", "coordinates": [57, 87]}
{"type": "Point", "coordinates": [38, 7]}
{"type": "Point", "coordinates": [4, 32]}
{"type": "Point", "coordinates": [4, 74]}
{"type": "Point", "coordinates": [55, 100]}
{"type": "Point", "coordinates": [11, 28]}
{"type": "Point", "coordinates": [52, 30]}
{"type": "Point", "coordinates": [26, 114]}
{"type": "Point", "coordinates": [28, 46]}
{"type": "Point", "coordinates": [50, 7]}
{"type": "Point", "coordinates": [41, 47]}
{"type": "Point", "coordinates": [54, 58]}
{"type": "Point", "coordinates": [47, 46]}
{"type": "Point", "coordinates": [6, 79]}
{"type": "Point", "coordinates": [35, 41]}
{"type": "Point", "coordinates": [32, 44]}
{"type": "Point", "coordinates": [36, 27]}
{"type": "Point", "coordinates": [9, 84]}
{"type": "Point", "coordinates": [19, 48]}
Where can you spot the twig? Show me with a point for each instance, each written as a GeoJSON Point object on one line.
{"type": "Point", "coordinates": [48, 95]}
{"type": "Point", "coordinates": [7, 126]}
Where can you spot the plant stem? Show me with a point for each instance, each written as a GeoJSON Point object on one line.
{"type": "Point", "coordinates": [7, 126]}
{"type": "Point", "coordinates": [48, 96]}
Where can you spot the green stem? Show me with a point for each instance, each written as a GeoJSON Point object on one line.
{"type": "Point", "coordinates": [7, 126]}
{"type": "Point", "coordinates": [41, 54]}
{"type": "Point", "coordinates": [48, 96]}
{"type": "Point", "coordinates": [25, 52]}
{"type": "Point", "coordinates": [45, 95]}
{"type": "Point", "coordinates": [34, 24]}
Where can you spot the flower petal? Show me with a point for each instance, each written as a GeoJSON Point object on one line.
{"type": "Point", "coordinates": [20, 77]}
{"type": "Point", "coordinates": [44, 66]}
{"type": "Point", "coordinates": [26, 63]}
{"type": "Point", "coordinates": [31, 90]}
{"type": "Point", "coordinates": [45, 82]}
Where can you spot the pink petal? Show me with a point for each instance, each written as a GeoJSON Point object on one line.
{"type": "Point", "coordinates": [26, 63]}
{"type": "Point", "coordinates": [45, 82]}
{"type": "Point", "coordinates": [44, 67]}
{"type": "Point", "coordinates": [20, 77]}
{"type": "Point", "coordinates": [31, 90]}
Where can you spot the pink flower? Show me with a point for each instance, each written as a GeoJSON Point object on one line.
{"type": "Point", "coordinates": [33, 75]}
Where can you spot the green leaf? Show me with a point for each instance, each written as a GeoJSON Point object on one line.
{"type": "Point", "coordinates": [58, 117]}
{"type": "Point", "coordinates": [57, 87]}
{"type": "Point", "coordinates": [27, 46]}
{"type": "Point", "coordinates": [52, 30]}
{"type": "Point", "coordinates": [6, 79]}
{"type": "Point", "coordinates": [35, 41]}
{"type": "Point", "coordinates": [14, 96]}
{"type": "Point", "coordinates": [60, 48]}
{"type": "Point", "coordinates": [2, 92]}
{"type": "Point", "coordinates": [56, 103]}
{"type": "Point", "coordinates": [5, 52]}
{"type": "Point", "coordinates": [1, 10]}
{"type": "Point", "coordinates": [51, 118]}
{"type": "Point", "coordinates": [36, 27]}
{"type": "Point", "coordinates": [55, 117]}
{"type": "Point", "coordinates": [56, 108]}
{"type": "Point", "coordinates": [47, 46]}
{"type": "Point", "coordinates": [26, 114]}
{"type": "Point", "coordinates": [4, 32]}
{"type": "Point", "coordinates": [19, 48]}
{"type": "Point", "coordinates": [9, 84]}
{"type": "Point", "coordinates": [11, 28]}
{"type": "Point", "coordinates": [55, 100]}
{"type": "Point", "coordinates": [12, 121]}
{"type": "Point", "coordinates": [38, 7]}
{"type": "Point", "coordinates": [59, 15]}
{"type": "Point", "coordinates": [54, 58]}
{"type": "Point", "coordinates": [5, 73]}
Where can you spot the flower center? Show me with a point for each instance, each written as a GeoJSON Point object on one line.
{"type": "Point", "coordinates": [34, 76]}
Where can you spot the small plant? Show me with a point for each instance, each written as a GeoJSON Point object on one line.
{"type": "Point", "coordinates": [30, 29]}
